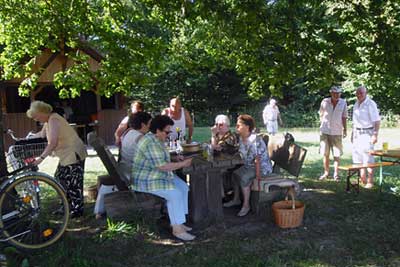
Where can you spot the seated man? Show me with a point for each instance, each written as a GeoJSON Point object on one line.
{"type": "Point", "coordinates": [138, 125]}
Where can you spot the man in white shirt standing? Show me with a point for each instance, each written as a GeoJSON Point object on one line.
{"type": "Point", "coordinates": [333, 116]}
{"type": "Point", "coordinates": [271, 117]}
{"type": "Point", "coordinates": [366, 124]}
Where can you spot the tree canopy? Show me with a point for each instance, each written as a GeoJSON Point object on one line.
{"type": "Point", "coordinates": [208, 50]}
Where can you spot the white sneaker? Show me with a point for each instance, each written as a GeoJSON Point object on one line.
{"type": "Point", "coordinates": [185, 236]}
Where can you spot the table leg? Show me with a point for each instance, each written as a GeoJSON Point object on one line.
{"type": "Point", "coordinates": [198, 209]}
{"type": "Point", "coordinates": [380, 174]}
{"type": "Point", "coordinates": [348, 181]}
{"type": "Point", "coordinates": [214, 197]}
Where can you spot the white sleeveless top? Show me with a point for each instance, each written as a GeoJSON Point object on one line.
{"type": "Point", "coordinates": [181, 123]}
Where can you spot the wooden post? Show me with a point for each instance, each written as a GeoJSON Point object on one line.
{"type": "Point", "coordinates": [3, 163]}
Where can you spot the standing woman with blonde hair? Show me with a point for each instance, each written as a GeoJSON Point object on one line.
{"type": "Point", "coordinates": [64, 143]}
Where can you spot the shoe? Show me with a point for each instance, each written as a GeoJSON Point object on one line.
{"type": "Point", "coordinates": [243, 212]}
{"type": "Point", "coordinates": [99, 216]}
{"type": "Point", "coordinates": [323, 177]}
{"type": "Point", "coordinates": [184, 236]}
{"type": "Point", "coordinates": [186, 228]}
{"type": "Point", "coordinates": [369, 186]}
{"type": "Point", "coordinates": [336, 178]}
{"type": "Point", "coordinates": [231, 204]}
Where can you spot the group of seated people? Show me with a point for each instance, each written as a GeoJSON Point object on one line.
{"type": "Point", "coordinates": [146, 163]}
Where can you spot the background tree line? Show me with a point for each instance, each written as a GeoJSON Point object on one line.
{"type": "Point", "coordinates": [218, 56]}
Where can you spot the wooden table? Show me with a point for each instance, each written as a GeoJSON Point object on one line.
{"type": "Point", "coordinates": [391, 155]}
{"type": "Point", "coordinates": [205, 203]}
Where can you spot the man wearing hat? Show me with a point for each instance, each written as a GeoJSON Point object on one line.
{"type": "Point", "coordinates": [333, 115]}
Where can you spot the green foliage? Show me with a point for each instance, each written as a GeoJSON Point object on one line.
{"type": "Point", "coordinates": [117, 230]}
{"type": "Point", "coordinates": [211, 53]}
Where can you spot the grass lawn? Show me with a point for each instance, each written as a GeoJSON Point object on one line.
{"type": "Point", "coordinates": [339, 229]}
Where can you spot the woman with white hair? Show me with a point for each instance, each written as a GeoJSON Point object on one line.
{"type": "Point", "coordinates": [64, 143]}
{"type": "Point", "coordinates": [222, 138]}
{"type": "Point", "coordinates": [271, 117]}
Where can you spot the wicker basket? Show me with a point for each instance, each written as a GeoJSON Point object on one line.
{"type": "Point", "coordinates": [288, 213]}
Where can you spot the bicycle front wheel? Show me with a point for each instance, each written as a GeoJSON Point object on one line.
{"type": "Point", "coordinates": [34, 212]}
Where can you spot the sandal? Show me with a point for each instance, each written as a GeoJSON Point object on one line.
{"type": "Point", "coordinates": [323, 177]}
{"type": "Point", "coordinates": [369, 186]}
{"type": "Point", "coordinates": [336, 178]}
{"type": "Point", "coordinates": [243, 212]}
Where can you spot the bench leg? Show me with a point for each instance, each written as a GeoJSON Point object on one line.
{"type": "Point", "coordinates": [348, 181]}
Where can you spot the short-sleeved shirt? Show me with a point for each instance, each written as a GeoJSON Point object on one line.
{"type": "Point", "coordinates": [150, 155]}
{"type": "Point", "coordinates": [270, 113]}
{"type": "Point", "coordinates": [365, 114]}
{"type": "Point", "coordinates": [331, 117]}
{"type": "Point", "coordinates": [255, 146]}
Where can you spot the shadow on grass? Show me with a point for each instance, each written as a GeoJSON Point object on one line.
{"type": "Point", "coordinates": [339, 229]}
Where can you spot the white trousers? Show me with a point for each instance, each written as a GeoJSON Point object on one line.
{"type": "Point", "coordinates": [361, 147]}
{"type": "Point", "coordinates": [104, 190]}
{"type": "Point", "coordinates": [177, 201]}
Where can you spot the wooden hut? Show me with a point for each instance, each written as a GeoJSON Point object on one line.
{"type": "Point", "coordinates": [89, 111]}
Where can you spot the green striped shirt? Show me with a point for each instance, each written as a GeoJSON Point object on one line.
{"type": "Point", "coordinates": [151, 154]}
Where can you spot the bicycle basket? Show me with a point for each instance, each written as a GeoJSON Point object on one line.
{"type": "Point", "coordinates": [21, 154]}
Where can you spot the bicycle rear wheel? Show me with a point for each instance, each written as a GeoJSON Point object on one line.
{"type": "Point", "coordinates": [34, 212]}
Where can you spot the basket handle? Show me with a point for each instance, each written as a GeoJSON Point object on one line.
{"type": "Point", "coordinates": [292, 195]}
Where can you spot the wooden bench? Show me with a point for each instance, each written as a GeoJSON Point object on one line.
{"type": "Point", "coordinates": [118, 203]}
{"type": "Point", "coordinates": [355, 169]}
{"type": "Point", "coordinates": [286, 155]}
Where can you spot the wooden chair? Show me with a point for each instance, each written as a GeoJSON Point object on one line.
{"type": "Point", "coordinates": [105, 155]}
{"type": "Point", "coordinates": [287, 156]}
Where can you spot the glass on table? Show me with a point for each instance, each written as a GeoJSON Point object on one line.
{"type": "Point", "coordinates": [385, 146]}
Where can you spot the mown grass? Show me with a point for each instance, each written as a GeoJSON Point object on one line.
{"type": "Point", "coordinates": [339, 229]}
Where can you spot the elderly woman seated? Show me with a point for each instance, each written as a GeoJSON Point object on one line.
{"type": "Point", "coordinates": [152, 172]}
{"type": "Point", "coordinates": [222, 138]}
{"type": "Point", "coordinates": [251, 148]}
{"type": "Point", "coordinates": [138, 125]}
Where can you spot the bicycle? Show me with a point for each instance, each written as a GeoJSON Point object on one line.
{"type": "Point", "coordinates": [34, 210]}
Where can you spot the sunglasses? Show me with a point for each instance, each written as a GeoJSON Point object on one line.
{"type": "Point", "coordinates": [167, 132]}
{"type": "Point", "coordinates": [219, 124]}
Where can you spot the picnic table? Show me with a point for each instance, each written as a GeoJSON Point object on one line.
{"type": "Point", "coordinates": [205, 183]}
{"type": "Point", "coordinates": [391, 155]}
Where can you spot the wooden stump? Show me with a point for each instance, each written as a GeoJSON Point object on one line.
{"type": "Point", "coordinates": [121, 204]}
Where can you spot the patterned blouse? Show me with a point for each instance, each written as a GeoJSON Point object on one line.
{"type": "Point", "coordinates": [228, 142]}
{"type": "Point", "coordinates": [255, 146]}
{"type": "Point", "coordinates": [151, 154]}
